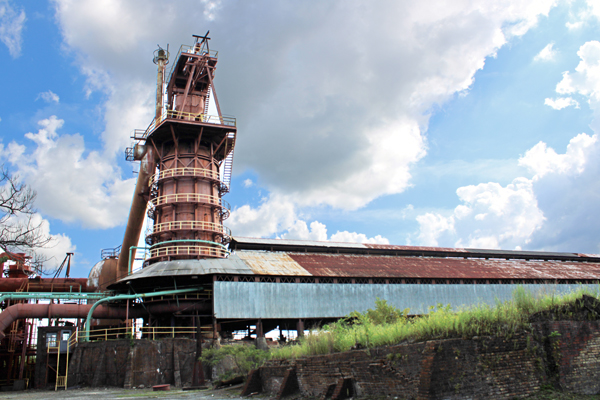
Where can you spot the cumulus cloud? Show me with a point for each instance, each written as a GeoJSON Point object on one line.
{"type": "Point", "coordinates": [48, 97]}
{"type": "Point", "coordinates": [585, 81]}
{"type": "Point", "coordinates": [548, 53]}
{"type": "Point", "coordinates": [328, 109]}
{"type": "Point", "coordinates": [301, 231]}
{"type": "Point", "coordinates": [274, 214]}
{"type": "Point", "coordinates": [542, 160]}
{"type": "Point", "coordinates": [72, 185]}
{"type": "Point", "coordinates": [247, 183]}
{"type": "Point", "coordinates": [347, 237]}
{"type": "Point", "coordinates": [554, 210]}
{"type": "Point", "coordinates": [277, 216]}
{"type": "Point", "coordinates": [561, 102]}
{"type": "Point", "coordinates": [490, 216]}
{"type": "Point", "coordinates": [12, 22]}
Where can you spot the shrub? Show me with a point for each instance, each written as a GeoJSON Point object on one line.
{"type": "Point", "coordinates": [244, 357]}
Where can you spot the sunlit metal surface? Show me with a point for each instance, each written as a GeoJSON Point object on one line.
{"type": "Point", "coordinates": [267, 263]}
{"type": "Point", "coordinates": [305, 300]}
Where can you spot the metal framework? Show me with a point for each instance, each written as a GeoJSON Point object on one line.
{"type": "Point", "coordinates": [193, 154]}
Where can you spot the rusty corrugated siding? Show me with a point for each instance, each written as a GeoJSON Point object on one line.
{"type": "Point", "coordinates": [448, 268]}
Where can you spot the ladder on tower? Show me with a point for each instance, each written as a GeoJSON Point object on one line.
{"type": "Point", "coordinates": [228, 163]}
{"type": "Point", "coordinates": [207, 101]}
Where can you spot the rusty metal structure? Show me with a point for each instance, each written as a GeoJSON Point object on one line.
{"type": "Point", "coordinates": [196, 275]}
{"type": "Point", "coordinates": [186, 158]}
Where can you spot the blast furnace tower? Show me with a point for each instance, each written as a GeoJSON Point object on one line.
{"type": "Point", "coordinates": [186, 158]}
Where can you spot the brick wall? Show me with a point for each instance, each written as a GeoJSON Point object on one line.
{"type": "Point", "coordinates": [572, 349]}
{"type": "Point", "coordinates": [488, 368]}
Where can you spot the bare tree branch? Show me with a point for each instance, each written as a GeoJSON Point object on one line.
{"type": "Point", "coordinates": [20, 230]}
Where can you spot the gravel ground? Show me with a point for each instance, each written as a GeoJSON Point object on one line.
{"type": "Point", "coordinates": [115, 393]}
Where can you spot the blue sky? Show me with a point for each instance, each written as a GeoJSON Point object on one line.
{"type": "Point", "coordinates": [453, 124]}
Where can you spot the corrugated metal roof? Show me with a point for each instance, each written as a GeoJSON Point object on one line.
{"type": "Point", "coordinates": [231, 265]}
{"type": "Point", "coordinates": [449, 268]}
{"type": "Point", "coordinates": [267, 263]}
{"type": "Point", "coordinates": [367, 266]}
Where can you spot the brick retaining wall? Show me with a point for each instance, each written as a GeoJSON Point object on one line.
{"type": "Point", "coordinates": [565, 354]}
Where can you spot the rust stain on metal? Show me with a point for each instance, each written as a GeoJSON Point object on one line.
{"type": "Point", "coordinates": [332, 265]}
{"type": "Point", "coordinates": [262, 263]}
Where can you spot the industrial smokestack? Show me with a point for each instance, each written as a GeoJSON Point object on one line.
{"type": "Point", "coordinates": [161, 58]}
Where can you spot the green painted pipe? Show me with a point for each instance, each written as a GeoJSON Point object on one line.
{"type": "Point", "coordinates": [130, 296]}
{"type": "Point", "coordinates": [130, 263]}
{"type": "Point", "coordinates": [50, 296]}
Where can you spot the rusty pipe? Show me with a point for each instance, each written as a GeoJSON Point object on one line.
{"type": "Point", "coordinates": [45, 285]}
{"type": "Point", "coordinates": [137, 212]}
{"type": "Point", "coordinates": [24, 310]}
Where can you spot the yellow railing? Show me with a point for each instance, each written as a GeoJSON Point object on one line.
{"type": "Point", "coordinates": [190, 198]}
{"type": "Point", "coordinates": [184, 250]}
{"type": "Point", "coordinates": [187, 116]}
{"type": "Point", "coordinates": [190, 225]}
{"type": "Point", "coordinates": [146, 332]}
{"type": "Point", "coordinates": [195, 172]}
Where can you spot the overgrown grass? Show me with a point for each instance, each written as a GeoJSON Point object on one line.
{"type": "Point", "coordinates": [245, 358]}
{"type": "Point", "coordinates": [387, 325]}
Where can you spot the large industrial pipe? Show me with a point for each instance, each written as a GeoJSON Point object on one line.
{"type": "Point", "coordinates": [147, 167]}
{"type": "Point", "coordinates": [127, 297]}
{"type": "Point", "coordinates": [24, 310]}
{"type": "Point", "coordinates": [45, 285]}
{"type": "Point", "coordinates": [136, 212]}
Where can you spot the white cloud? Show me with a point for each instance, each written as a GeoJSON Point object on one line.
{"type": "Point", "coordinates": [590, 12]}
{"type": "Point", "coordinates": [353, 237]}
{"type": "Point", "coordinates": [546, 54]}
{"type": "Point", "coordinates": [300, 231]}
{"type": "Point", "coordinates": [71, 185]}
{"type": "Point", "coordinates": [48, 96]}
{"type": "Point", "coordinates": [12, 22]}
{"type": "Point", "coordinates": [542, 160]}
{"type": "Point", "coordinates": [247, 183]}
{"type": "Point", "coordinates": [54, 251]}
{"type": "Point", "coordinates": [585, 80]}
{"type": "Point", "coordinates": [277, 216]}
{"type": "Point", "coordinates": [561, 102]}
{"type": "Point", "coordinates": [556, 209]}
{"type": "Point", "coordinates": [273, 215]}
{"type": "Point", "coordinates": [342, 130]}
{"type": "Point", "coordinates": [490, 216]}
{"type": "Point", "coordinates": [432, 226]}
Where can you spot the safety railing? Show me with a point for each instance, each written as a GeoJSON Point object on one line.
{"type": "Point", "coordinates": [192, 172]}
{"type": "Point", "coordinates": [188, 250]}
{"type": "Point", "coordinates": [144, 332]}
{"type": "Point", "coordinates": [190, 225]}
{"type": "Point", "coordinates": [193, 117]}
{"type": "Point", "coordinates": [190, 198]}
{"type": "Point", "coordinates": [191, 50]}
